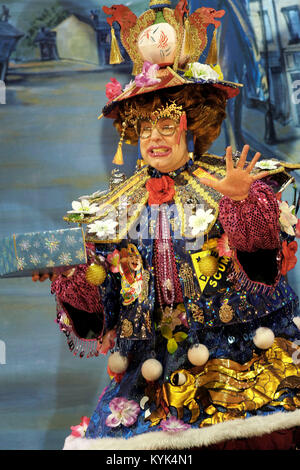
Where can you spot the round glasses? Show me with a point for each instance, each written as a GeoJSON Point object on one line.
{"type": "Point", "coordinates": [165, 127]}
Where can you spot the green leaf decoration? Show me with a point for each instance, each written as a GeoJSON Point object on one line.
{"type": "Point", "coordinates": [172, 346]}
{"type": "Point", "coordinates": [166, 332]}
{"type": "Point", "coordinates": [75, 217]}
{"type": "Point", "coordinates": [180, 336]}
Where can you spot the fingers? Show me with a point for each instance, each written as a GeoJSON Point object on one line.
{"type": "Point", "coordinates": [229, 162]}
{"type": "Point", "coordinates": [208, 182]}
{"type": "Point", "coordinates": [36, 276]}
{"type": "Point", "coordinates": [261, 175]}
{"type": "Point", "coordinates": [243, 157]}
{"type": "Point", "coordinates": [253, 162]}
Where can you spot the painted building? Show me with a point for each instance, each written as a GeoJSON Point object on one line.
{"type": "Point", "coordinates": [278, 37]}
{"type": "Point", "coordinates": [76, 40]}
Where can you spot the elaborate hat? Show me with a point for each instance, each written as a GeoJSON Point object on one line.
{"type": "Point", "coordinates": [164, 45]}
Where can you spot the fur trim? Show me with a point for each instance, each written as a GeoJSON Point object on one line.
{"type": "Point", "coordinates": [238, 428]}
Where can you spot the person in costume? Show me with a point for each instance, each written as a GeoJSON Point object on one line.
{"type": "Point", "coordinates": [186, 281]}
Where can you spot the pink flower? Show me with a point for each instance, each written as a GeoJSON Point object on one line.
{"type": "Point", "coordinates": [123, 412]}
{"type": "Point", "coordinates": [114, 261]}
{"type": "Point", "coordinates": [80, 429]}
{"type": "Point", "coordinates": [223, 246]}
{"type": "Point", "coordinates": [113, 89]}
{"type": "Point", "coordinates": [148, 75]}
{"type": "Point", "coordinates": [297, 229]}
{"type": "Point", "coordinates": [174, 425]}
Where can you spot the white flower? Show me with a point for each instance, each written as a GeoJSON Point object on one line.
{"type": "Point", "coordinates": [103, 228]}
{"type": "Point", "coordinates": [267, 165]}
{"type": "Point", "coordinates": [287, 219]}
{"type": "Point", "coordinates": [83, 207]}
{"type": "Point", "coordinates": [203, 71]}
{"type": "Point", "coordinates": [200, 221]}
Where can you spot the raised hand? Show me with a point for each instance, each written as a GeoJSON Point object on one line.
{"type": "Point", "coordinates": [238, 180]}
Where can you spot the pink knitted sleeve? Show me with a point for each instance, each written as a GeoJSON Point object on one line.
{"type": "Point", "coordinates": [253, 223]}
{"type": "Point", "coordinates": [76, 291]}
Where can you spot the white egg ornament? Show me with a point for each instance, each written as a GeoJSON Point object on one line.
{"type": "Point", "coordinates": [151, 369]}
{"type": "Point", "coordinates": [263, 338]}
{"type": "Point", "coordinates": [117, 363]}
{"type": "Point", "coordinates": [198, 354]}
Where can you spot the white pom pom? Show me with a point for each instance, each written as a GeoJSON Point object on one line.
{"type": "Point", "coordinates": [296, 320]}
{"type": "Point", "coordinates": [117, 363]}
{"type": "Point", "coordinates": [264, 338]}
{"type": "Point", "coordinates": [151, 369]}
{"type": "Point", "coordinates": [198, 354]}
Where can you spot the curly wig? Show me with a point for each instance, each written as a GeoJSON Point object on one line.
{"type": "Point", "coordinates": [204, 106]}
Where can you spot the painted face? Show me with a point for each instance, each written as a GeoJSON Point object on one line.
{"type": "Point", "coordinates": [163, 145]}
{"type": "Point", "coordinates": [134, 262]}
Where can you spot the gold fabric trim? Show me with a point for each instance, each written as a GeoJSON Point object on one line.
{"type": "Point", "coordinates": [237, 387]}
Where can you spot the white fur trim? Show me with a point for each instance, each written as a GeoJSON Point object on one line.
{"type": "Point", "coordinates": [238, 428]}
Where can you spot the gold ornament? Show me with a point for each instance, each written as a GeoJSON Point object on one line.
{"type": "Point", "coordinates": [95, 274]}
{"type": "Point", "coordinates": [187, 275]}
{"type": "Point", "coordinates": [115, 54]}
{"type": "Point", "coordinates": [208, 265]}
{"type": "Point", "coordinates": [226, 313]}
{"type": "Point", "coordinates": [197, 312]}
{"type": "Point", "coordinates": [127, 329]}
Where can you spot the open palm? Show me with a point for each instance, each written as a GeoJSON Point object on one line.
{"type": "Point", "coordinates": [238, 180]}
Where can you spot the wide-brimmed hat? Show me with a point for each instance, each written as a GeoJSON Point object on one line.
{"type": "Point", "coordinates": [165, 46]}
{"type": "Point", "coordinates": [154, 79]}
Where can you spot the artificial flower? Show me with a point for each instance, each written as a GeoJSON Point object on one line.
{"type": "Point", "coordinates": [103, 228]}
{"type": "Point", "coordinates": [80, 429]}
{"type": "Point", "coordinates": [297, 229]}
{"type": "Point", "coordinates": [167, 333]}
{"type": "Point", "coordinates": [289, 259]}
{"type": "Point", "coordinates": [160, 190]}
{"type": "Point", "coordinates": [113, 89]}
{"type": "Point", "coordinates": [203, 71]}
{"type": "Point", "coordinates": [114, 261]}
{"type": "Point", "coordinates": [123, 411]}
{"type": "Point", "coordinates": [173, 424]}
{"type": "Point", "coordinates": [148, 75]}
{"type": "Point", "coordinates": [287, 219]}
{"type": "Point", "coordinates": [200, 221]}
{"type": "Point", "coordinates": [267, 165]}
{"type": "Point", "coordinates": [129, 85]}
{"type": "Point", "coordinates": [83, 207]}
{"type": "Point", "coordinates": [171, 318]}
{"type": "Point", "coordinates": [223, 246]}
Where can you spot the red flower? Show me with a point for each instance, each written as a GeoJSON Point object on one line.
{"type": "Point", "coordinates": [113, 89]}
{"type": "Point", "coordinates": [289, 259]}
{"type": "Point", "coordinates": [160, 190]}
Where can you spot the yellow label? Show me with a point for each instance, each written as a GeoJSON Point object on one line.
{"type": "Point", "coordinates": [200, 173]}
{"type": "Point", "coordinates": [214, 280]}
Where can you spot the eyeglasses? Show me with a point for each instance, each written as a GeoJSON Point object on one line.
{"type": "Point", "coordinates": [165, 127]}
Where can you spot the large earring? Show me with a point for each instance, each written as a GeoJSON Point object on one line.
{"type": "Point", "coordinates": [118, 158]}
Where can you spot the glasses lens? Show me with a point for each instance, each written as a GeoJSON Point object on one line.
{"type": "Point", "coordinates": [166, 126]}
{"type": "Point", "coordinates": [144, 129]}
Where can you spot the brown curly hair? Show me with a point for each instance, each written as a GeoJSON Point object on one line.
{"type": "Point", "coordinates": [204, 106]}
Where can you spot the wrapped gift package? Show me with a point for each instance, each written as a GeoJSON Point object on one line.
{"type": "Point", "coordinates": [23, 254]}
